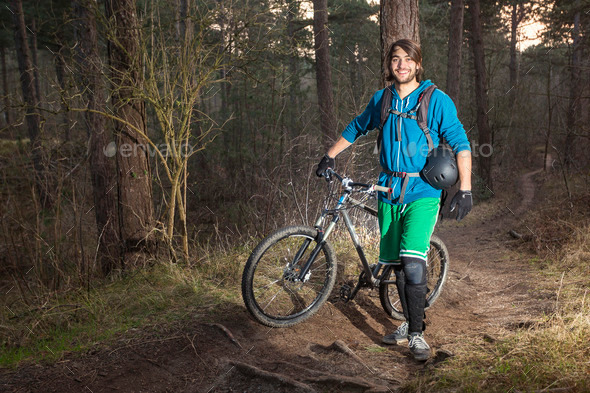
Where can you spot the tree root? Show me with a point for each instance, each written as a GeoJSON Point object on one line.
{"type": "Point", "coordinates": [340, 383]}
{"type": "Point", "coordinates": [254, 372]}
{"type": "Point", "coordinates": [343, 383]}
{"type": "Point", "coordinates": [338, 346]}
{"type": "Point", "coordinates": [227, 332]}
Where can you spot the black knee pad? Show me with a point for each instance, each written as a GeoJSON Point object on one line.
{"type": "Point", "coordinates": [414, 270]}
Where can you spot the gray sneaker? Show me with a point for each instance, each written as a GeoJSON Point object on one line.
{"type": "Point", "coordinates": [398, 337]}
{"type": "Point", "coordinates": [418, 347]}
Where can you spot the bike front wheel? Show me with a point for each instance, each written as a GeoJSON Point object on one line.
{"type": "Point", "coordinates": [272, 289]}
{"type": "Point", "coordinates": [437, 270]}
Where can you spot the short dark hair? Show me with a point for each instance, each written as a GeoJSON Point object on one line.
{"type": "Point", "coordinates": [412, 49]}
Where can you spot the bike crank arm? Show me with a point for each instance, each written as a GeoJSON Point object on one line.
{"type": "Point", "coordinates": [347, 294]}
{"type": "Point", "coordinates": [355, 290]}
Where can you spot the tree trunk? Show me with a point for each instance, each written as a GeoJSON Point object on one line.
{"type": "Point", "coordinates": [574, 108]}
{"type": "Point", "coordinates": [184, 25]}
{"type": "Point", "coordinates": [34, 57]}
{"type": "Point", "coordinates": [135, 205]}
{"type": "Point", "coordinates": [513, 40]}
{"type": "Point", "coordinates": [60, 66]}
{"type": "Point", "coordinates": [516, 16]}
{"type": "Point", "coordinates": [226, 108]}
{"type": "Point", "coordinates": [481, 98]}
{"type": "Point", "coordinates": [399, 19]}
{"type": "Point", "coordinates": [455, 44]}
{"type": "Point", "coordinates": [5, 88]}
{"type": "Point", "coordinates": [102, 162]}
{"type": "Point", "coordinates": [186, 36]}
{"type": "Point", "coordinates": [294, 85]}
{"type": "Point", "coordinates": [323, 72]}
{"type": "Point", "coordinates": [550, 117]}
{"type": "Point", "coordinates": [27, 80]}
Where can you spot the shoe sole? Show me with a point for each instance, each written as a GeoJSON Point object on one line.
{"type": "Point", "coordinates": [422, 358]}
{"type": "Point", "coordinates": [394, 342]}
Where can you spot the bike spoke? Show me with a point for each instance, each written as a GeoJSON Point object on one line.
{"type": "Point", "coordinates": [272, 299]}
{"type": "Point", "coordinates": [270, 284]}
{"type": "Point", "coordinates": [297, 300]}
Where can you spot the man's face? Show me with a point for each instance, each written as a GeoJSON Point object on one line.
{"type": "Point", "coordinates": [403, 67]}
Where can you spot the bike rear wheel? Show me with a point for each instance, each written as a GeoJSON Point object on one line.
{"type": "Point", "coordinates": [271, 290]}
{"type": "Point", "coordinates": [437, 267]}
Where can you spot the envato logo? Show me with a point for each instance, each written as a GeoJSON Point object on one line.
{"type": "Point", "coordinates": [133, 149]}
{"type": "Point", "coordinates": [484, 150]}
{"type": "Point", "coordinates": [477, 150]}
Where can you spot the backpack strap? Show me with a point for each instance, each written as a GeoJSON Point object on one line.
{"type": "Point", "coordinates": [422, 113]}
{"type": "Point", "coordinates": [386, 104]}
{"type": "Point", "coordinates": [385, 107]}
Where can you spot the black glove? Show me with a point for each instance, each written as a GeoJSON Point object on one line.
{"type": "Point", "coordinates": [463, 202]}
{"type": "Point", "coordinates": [325, 163]}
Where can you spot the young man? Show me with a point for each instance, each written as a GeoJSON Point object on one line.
{"type": "Point", "coordinates": [407, 216]}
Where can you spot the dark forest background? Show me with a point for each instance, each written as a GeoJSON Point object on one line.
{"type": "Point", "coordinates": [136, 133]}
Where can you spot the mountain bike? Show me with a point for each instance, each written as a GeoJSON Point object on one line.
{"type": "Point", "coordinates": [291, 273]}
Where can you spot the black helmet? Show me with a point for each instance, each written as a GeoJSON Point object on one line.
{"type": "Point", "coordinates": [440, 170]}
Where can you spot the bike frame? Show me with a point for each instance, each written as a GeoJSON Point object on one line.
{"type": "Point", "coordinates": [341, 210]}
{"type": "Point", "coordinates": [300, 284]}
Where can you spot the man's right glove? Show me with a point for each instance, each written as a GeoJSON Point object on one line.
{"type": "Point", "coordinates": [463, 202]}
{"type": "Point", "coordinates": [325, 163]}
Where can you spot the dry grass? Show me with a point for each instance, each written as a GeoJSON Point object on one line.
{"type": "Point", "coordinates": [554, 354]}
{"type": "Point", "coordinates": [46, 328]}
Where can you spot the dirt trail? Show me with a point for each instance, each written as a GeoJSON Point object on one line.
{"type": "Point", "coordinates": [490, 290]}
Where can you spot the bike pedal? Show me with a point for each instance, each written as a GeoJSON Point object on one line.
{"type": "Point", "coordinates": [345, 292]}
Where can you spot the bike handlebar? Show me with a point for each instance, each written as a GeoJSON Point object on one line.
{"type": "Point", "coordinates": [346, 182]}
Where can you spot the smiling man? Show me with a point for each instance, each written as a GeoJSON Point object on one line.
{"type": "Point", "coordinates": [410, 158]}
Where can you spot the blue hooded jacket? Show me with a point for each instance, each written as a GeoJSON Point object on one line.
{"type": "Point", "coordinates": [409, 154]}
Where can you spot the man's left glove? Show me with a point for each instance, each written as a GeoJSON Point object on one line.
{"type": "Point", "coordinates": [463, 202]}
{"type": "Point", "coordinates": [325, 163]}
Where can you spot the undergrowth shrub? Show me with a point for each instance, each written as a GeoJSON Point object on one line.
{"type": "Point", "coordinates": [76, 320]}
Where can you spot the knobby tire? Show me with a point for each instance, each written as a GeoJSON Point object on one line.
{"type": "Point", "coordinates": [268, 289]}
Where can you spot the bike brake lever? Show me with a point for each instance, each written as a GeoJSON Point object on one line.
{"type": "Point", "coordinates": [371, 191]}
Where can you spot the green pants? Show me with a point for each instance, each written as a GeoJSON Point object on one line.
{"type": "Point", "coordinates": [406, 229]}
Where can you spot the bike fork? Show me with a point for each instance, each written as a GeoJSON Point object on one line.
{"type": "Point", "coordinates": [320, 240]}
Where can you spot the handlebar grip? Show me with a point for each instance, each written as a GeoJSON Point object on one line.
{"type": "Point", "coordinates": [384, 189]}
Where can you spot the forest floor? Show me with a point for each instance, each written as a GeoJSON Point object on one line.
{"type": "Point", "coordinates": [491, 291]}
